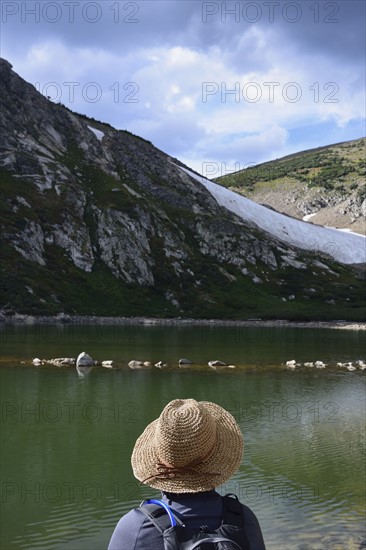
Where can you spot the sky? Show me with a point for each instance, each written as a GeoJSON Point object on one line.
{"type": "Point", "coordinates": [218, 85]}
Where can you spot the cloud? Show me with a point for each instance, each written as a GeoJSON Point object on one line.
{"type": "Point", "coordinates": [197, 79]}
{"type": "Point", "coordinates": [235, 152]}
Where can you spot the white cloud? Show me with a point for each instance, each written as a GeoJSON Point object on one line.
{"type": "Point", "coordinates": [153, 83]}
{"type": "Point", "coordinates": [216, 156]}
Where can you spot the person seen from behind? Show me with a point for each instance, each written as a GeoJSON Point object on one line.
{"type": "Point", "coordinates": [186, 453]}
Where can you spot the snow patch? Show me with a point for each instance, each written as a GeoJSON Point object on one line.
{"type": "Point", "coordinates": [308, 217]}
{"type": "Point", "coordinates": [346, 230]}
{"type": "Point", "coordinates": [98, 133]}
{"type": "Point", "coordinates": [347, 248]}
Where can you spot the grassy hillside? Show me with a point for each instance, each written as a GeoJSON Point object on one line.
{"type": "Point", "coordinates": [327, 182]}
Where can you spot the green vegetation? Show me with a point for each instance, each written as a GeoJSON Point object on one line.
{"type": "Point", "coordinates": [60, 286]}
{"type": "Point", "coordinates": [324, 167]}
{"type": "Point", "coordinates": [332, 173]}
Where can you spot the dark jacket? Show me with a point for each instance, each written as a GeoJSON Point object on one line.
{"type": "Point", "coordinates": [134, 531]}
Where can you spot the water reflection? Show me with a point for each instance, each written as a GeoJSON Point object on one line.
{"type": "Point", "coordinates": [83, 371]}
{"type": "Point", "coordinates": [66, 446]}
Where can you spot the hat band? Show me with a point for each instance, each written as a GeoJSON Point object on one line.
{"type": "Point", "coordinates": [167, 471]}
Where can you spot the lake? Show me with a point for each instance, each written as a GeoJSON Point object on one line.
{"type": "Point", "coordinates": [66, 441]}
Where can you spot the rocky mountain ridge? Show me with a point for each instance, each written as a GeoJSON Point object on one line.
{"type": "Point", "coordinates": [98, 221]}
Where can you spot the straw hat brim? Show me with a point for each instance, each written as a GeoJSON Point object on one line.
{"type": "Point", "coordinates": [223, 460]}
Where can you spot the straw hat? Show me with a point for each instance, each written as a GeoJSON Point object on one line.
{"type": "Point", "coordinates": [193, 446]}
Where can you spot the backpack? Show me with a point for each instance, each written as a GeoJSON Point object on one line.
{"type": "Point", "coordinates": [229, 536]}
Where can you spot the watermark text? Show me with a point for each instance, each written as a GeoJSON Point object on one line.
{"type": "Point", "coordinates": [270, 12]}
{"type": "Point", "coordinates": [71, 12]}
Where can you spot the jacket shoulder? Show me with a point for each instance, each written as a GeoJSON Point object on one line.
{"type": "Point", "coordinates": [134, 529]}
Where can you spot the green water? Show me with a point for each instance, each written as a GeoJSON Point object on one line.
{"type": "Point", "coordinates": [66, 442]}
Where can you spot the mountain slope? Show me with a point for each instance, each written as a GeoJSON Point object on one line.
{"type": "Point", "coordinates": [95, 220]}
{"type": "Point", "coordinates": [325, 185]}
{"type": "Point", "coordinates": [344, 247]}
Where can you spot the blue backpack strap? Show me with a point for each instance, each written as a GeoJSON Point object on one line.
{"type": "Point", "coordinates": [233, 511]}
{"type": "Point", "coordinates": [160, 514]}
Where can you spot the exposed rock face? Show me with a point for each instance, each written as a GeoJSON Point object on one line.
{"type": "Point", "coordinates": [333, 209]}
{"type": "Point", "coordinates": [29, 242]}
{"type": "Point", "coordinates": [124, 246]}
{"type": "Point", "coordinates": [107, 223]}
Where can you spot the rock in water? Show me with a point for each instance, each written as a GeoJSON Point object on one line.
{"type": "Point", "coordinates": [84, 360]}
{"type": "Point", "coordinates": [185, 361]}
{"type": "Point", "coordinates": [62, 361]}
{"type": "Point", "coordinates": [160, 365]}
{"type": "Point", "coordinates": [216, 364]}
{"type": "Point", "coordinates": [136, 365]}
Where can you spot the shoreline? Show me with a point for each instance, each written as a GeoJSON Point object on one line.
{"type": "Point", "coordinates": [64, 319]}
